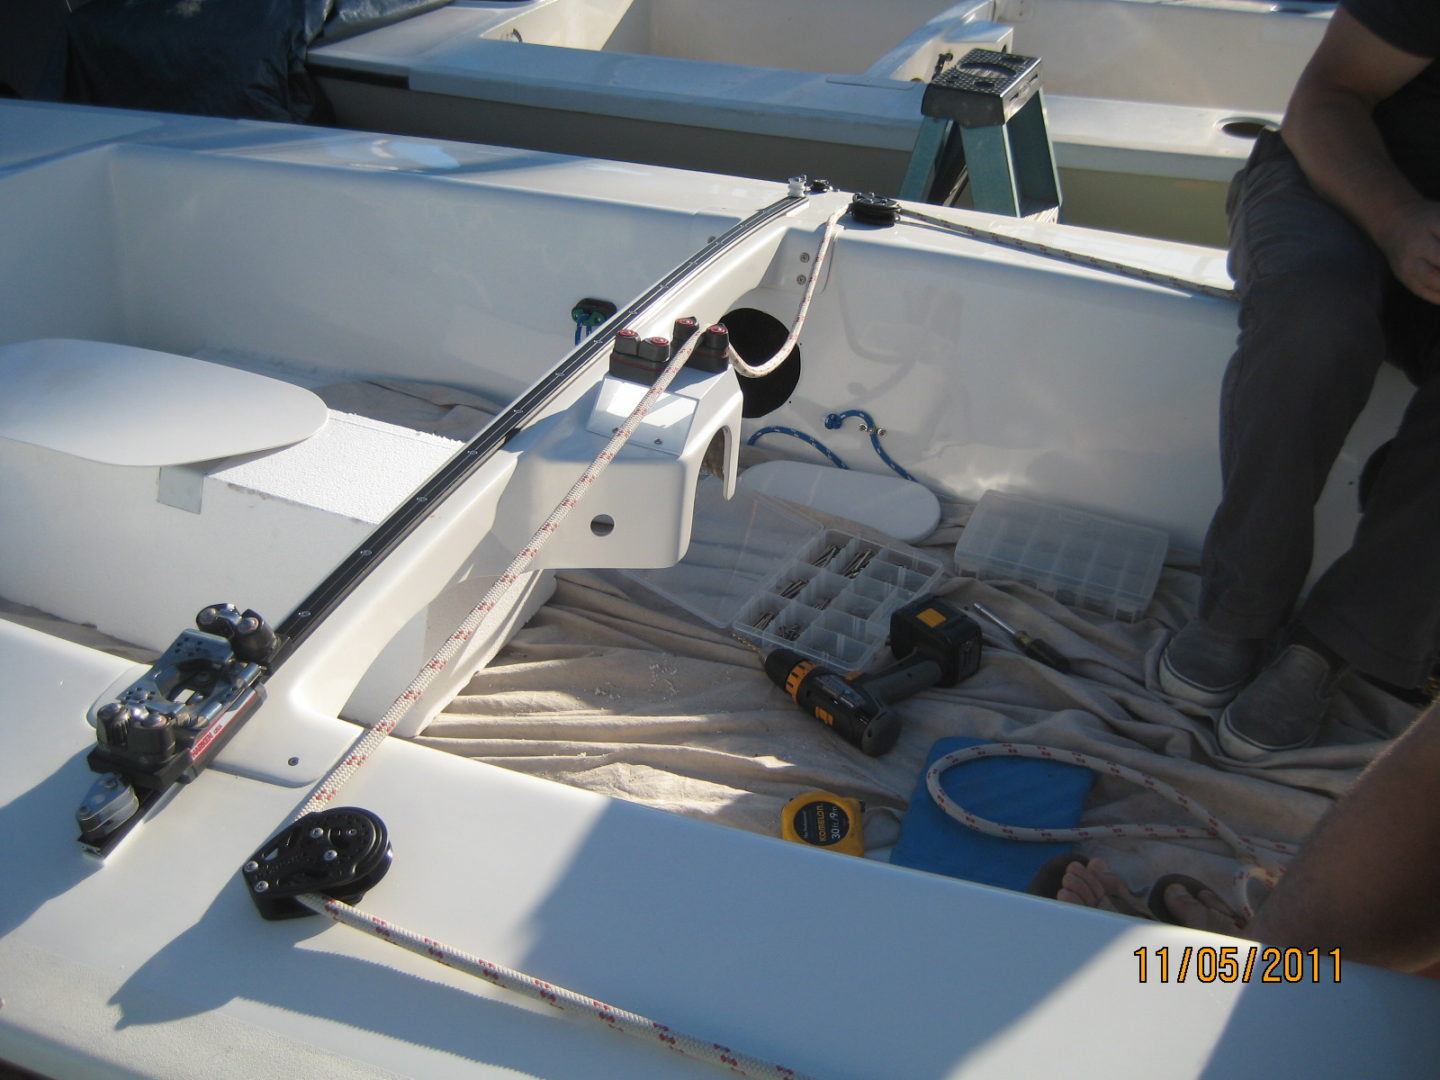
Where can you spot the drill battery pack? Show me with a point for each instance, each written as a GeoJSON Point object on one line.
{"type": "Point", "coordinates": [934, 629]}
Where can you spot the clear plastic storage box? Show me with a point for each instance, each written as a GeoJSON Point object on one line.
{"type": "Point", "coordinates": [832, 601]}
{"type": "Point", "coordinates": [1080, 558]}
{"type": "Point", "coordinates": [777, 579]}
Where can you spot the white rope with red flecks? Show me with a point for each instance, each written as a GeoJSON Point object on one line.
{"type": "Point", "coordinates": [556, 997]}
{"type": "Point", "coordinates": [1253, 867]}
{"type": "Point", "coordinates": [487, 608]}
{"type": "Point", "coordinates": [756, 371]}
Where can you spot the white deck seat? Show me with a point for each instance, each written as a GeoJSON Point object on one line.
{"type": "Point", "coordinates": [140, 486]}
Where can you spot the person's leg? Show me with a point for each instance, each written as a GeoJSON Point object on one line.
{"type": "Point", "coordinates": [1367, 882]}
{"type": "Point", "coordinates": [1312, 289]}
{"type": "Point", "coordinates": [1378, 606]}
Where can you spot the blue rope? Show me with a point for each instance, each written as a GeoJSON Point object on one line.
{"type": "Point", "coordinates": [836, 420]}
{"type": "Point", "coordinates": [586, 322]}
{"type": "Point", "coordinates": [802, 437]}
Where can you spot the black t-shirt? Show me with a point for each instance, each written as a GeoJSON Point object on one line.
{"type": "Point", "coordinates": [1409, 120]}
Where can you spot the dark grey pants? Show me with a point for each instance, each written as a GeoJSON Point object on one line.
{"type": "Point", "coordinates": [1319, 313]}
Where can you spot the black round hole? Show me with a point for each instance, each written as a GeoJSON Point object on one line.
{"type": "Point", "coordinates": [602, 525]}
{"type": "Point", "coordinates": [757, 336]}
{"type": "Point", "coordinates": [1245, 127]}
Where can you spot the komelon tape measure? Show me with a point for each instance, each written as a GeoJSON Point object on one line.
{"type": "Point", "coordinates": [823, 819]}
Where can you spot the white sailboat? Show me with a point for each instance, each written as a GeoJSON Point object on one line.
{"type": "Point", "coordinates": [1152, 104]}
{"type": "Point", "coordinates": [338, 379]}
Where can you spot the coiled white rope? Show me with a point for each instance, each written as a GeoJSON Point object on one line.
{"type": "Point", "coordinates": [486, 610]}
{"type": "Point", "coordinates": [1253, 866]}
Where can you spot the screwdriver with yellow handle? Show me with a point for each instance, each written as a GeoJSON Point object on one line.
{"type": "Point", "coordinates": [1032, 647]}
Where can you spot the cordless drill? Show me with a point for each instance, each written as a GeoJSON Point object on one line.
{"type": "Point", "coordinates": [934, 644]}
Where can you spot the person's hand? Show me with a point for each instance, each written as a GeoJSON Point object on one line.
{"type": "Point", "coordinates": [1412, 245]}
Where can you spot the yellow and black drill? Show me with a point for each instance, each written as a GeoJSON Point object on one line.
{"type": "Point", "coordinates": [934, 644]}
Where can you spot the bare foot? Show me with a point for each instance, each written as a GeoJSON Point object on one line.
{"type": "Point", "coordinates": [1201, 910]}
{"type": "Point", "coordinates": [1096, 885]}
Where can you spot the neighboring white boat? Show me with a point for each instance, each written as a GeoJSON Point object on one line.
{"type": "Point", "coordinates": [1152, 103]}
{"type": "Point", "coordinates": [181, 294]}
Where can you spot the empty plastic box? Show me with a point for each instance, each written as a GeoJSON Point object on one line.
{"type": "Point", "coordinates": [1082, 559]}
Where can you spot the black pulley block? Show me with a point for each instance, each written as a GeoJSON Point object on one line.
{"type": "Point", "coordinates": [868, 208]}
{"type": "Point", "coordinates": [338, 853]}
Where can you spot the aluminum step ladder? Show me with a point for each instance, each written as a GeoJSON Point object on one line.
{"type": "Point", "coordinates": [984, 120]}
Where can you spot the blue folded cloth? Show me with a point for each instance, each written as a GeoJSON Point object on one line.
{"type": "Point", "coordinates": [1010, 791]}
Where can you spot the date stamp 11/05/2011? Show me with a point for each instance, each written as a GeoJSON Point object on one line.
{"type": "Point", "coordinates": [1237, 964]}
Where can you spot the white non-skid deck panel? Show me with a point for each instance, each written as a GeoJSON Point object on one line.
{"type": "Point", "coordinates": [838, 967]}
{"type": "Point", "coordinates": [321, 471]}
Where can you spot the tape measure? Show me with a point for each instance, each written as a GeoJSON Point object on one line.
{"type": "Point", "coordinates": [823, 819]}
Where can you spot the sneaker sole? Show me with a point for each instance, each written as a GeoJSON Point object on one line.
{"type": "Point", "coordinates": [1240, 747]}
{"type": "Point", "coordinates": [1177, 686]}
